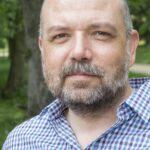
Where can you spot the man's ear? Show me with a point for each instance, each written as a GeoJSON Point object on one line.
{"type": "Point", "coordinates": [40, 42]}
{"type": "Point", "coordinates": [134, 41]}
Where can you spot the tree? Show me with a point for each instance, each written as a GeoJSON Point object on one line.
{"type": "Point", "coordinates": [11, 28]}
{"type": "Point", "coordinates": [38, 94]}
{"type": "Point", "coordinates": [141, 18]}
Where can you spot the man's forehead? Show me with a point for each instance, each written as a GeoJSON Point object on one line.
{"type": "Point", "coordinates": [81, 13]}
{"type": "Point", "coordinates": [64, 5]}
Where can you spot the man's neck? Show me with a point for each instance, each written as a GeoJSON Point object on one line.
{"type": "Point", "coordinates": [90, 127]}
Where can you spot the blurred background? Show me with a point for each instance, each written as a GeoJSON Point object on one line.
{"type": "Point", "coordinates": [23, 92]}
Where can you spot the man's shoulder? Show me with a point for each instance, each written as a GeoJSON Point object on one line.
{"type": "Point", "coordinates": [139, 101]}
{"type": "Point", "coordinates": [34, 123]}
{"type": "Point", "coordinates": [136, 83]}
{"type": "Point", "coordinates": [30, 125]}
{"type": "Point", "coordinates": [31, 129]}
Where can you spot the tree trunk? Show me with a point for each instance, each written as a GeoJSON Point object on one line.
{"type": "Point", "coordinates": [16, 74]}
{"type": "Point", "coordinates": [38, 93]}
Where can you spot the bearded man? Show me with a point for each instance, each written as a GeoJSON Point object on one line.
{"type": "Point", "coordinates": [87, 48]}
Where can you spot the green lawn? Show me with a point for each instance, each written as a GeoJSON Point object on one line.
{"type": "Point", "coordinates": [137, 75]}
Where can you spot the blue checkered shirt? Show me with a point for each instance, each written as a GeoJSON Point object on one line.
{"type": "Point", "coordinates": [50, 130]}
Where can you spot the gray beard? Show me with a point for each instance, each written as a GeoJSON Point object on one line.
{"type": "Point", "coordinates": [100, 99]}
{"type": "Point", "coordinates": [93, 100]}
{"type": "Point", "coordinates": [90, 100]}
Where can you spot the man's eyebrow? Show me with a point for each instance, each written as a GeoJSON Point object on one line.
{"type": "Point", "coordinates": [57, 28]}
{"type": "Point", "coordinates": [91, 26]}
{"type": "Point", "coordinates": [103, 25]}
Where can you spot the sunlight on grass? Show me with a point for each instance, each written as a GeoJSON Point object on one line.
{"type": "Point", "coordinates": [137, 75]}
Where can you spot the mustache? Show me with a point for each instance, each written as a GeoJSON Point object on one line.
{"type": "Point", "coordinates": [81, 67]}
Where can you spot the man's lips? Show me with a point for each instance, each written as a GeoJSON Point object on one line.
{"type": "Point", "coordinates": [81, 74]}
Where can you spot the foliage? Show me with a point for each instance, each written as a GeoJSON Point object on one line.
{"type": "Point", "coordinates": [141, 17]}
{"type": "Point", "coordinates": [143, 55]}
{"type": "Point", "coordinates": [11, 19]}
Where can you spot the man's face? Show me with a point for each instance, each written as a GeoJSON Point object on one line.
{"type": "Point", "coordinates": [84, 49]}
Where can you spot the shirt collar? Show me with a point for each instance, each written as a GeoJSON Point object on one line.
{"type": "Point", "coordinates": [139, 101]}
{"type": "Point", "coordinates": [54, 111]}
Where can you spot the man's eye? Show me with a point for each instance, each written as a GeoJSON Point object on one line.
{"type": "Point", "coordinates": [100, 35]}
{"type": "Point", "coordinates": [60, 37]}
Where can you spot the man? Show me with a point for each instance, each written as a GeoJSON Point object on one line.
{"type": "Point", "coordinates": [87, 48]}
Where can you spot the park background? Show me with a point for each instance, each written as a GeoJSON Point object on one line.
{"type": "Point", "coordinates": [23, 92]}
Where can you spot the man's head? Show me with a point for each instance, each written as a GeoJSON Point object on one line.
{"type": "Point", "coordinates": [87, 47]}
{"type": "Point", "coordinates": [125, 11]}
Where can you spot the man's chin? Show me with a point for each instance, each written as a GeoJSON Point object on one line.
{"type": "Point", "coordinates": [81, 93]}
{"type": "Point", "coordinates": [81, 83]}
{"type": "Point", "coordinates": [88, 100]}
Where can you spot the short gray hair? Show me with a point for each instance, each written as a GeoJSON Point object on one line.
{"type": "Point", "coordinates": [126, 13]}
{"type": "Point", "coordinates": [127, 18]}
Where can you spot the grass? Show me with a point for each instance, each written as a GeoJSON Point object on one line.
{"type": "Point", "coordinates": [137, 75]}
{"type": "Point", "coordinates": [10, 116]}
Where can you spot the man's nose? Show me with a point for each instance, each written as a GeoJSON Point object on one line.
{"type": "Point", "coordinates": [81, 48]}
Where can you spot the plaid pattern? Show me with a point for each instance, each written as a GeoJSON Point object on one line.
{"type": "Point", "coordinates": [50, 130]}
